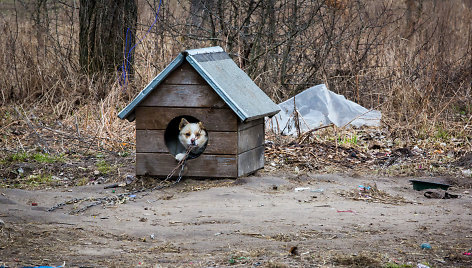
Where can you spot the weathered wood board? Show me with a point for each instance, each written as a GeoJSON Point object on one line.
{"type": "Point", "coordinates": [200, 96]}
{"type": "Point", "coordinates": [250, 161]}
{"type": "Point", "coordinates": [161, 164]}
{"type": "Point", "coordinates": [251, 137]}
{"type": "Point", "coordinates": [152, 141]}
{"type": "Point", "coordinates": [159, 117]}
{"type": "Point", "coordinates": [184, 75]}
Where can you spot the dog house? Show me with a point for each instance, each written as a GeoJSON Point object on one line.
{"type": "Point", "coordinates": [201, 85]}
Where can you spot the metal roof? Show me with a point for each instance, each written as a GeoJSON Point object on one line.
{"type": "Point", "coordinates": [231, 83]}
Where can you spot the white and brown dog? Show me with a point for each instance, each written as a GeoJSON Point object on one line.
{"type": "Point", "coordinates": [192, 136]}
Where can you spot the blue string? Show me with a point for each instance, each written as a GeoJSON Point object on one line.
{"type": "Point", "coordinates": [126, 64]}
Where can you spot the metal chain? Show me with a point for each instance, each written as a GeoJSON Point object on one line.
{"type": "Point", "coordinates": [120, 197]}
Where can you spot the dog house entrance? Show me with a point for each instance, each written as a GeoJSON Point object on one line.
{"type": "Point", "coordinates": [171, 136]}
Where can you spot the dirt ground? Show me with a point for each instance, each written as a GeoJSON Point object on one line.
{"type": "Point", "coordinates": [265, 220]}
{"type": "Point", "coordinates": [311, 206]}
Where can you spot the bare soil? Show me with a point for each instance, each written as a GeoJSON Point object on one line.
{"type": "Point", "coordinates": [305, 209]}
{"type": "Point", "coordinates": [266, 220]}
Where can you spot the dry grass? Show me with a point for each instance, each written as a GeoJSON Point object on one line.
{"type": "Point", "coordinates": [420, 79]}
{"type": "Point", "coordinates": [360, 260]}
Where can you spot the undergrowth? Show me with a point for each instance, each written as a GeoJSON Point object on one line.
{"type": "Point", "coordinates": [414, 67]}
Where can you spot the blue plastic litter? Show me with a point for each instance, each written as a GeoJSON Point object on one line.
{"type": "Point", "coordinates": [425, 246]}
{"type": "Point", "coordinates": [362, 187]}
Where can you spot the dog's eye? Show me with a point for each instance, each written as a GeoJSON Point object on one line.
{"type": "Point", "coordinates": [187, 134]}
{"type": "Point", "coordinates": [198, 135]}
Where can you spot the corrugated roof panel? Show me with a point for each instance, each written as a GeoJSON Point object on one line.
{"type": "Point", "coordinates": [233, 85]}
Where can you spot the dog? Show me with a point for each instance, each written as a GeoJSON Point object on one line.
{"type": "Point", "coordinates": [192, 136]}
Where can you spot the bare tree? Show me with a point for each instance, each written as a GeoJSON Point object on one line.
{"type": "Point", "coordinates": [107, 33]}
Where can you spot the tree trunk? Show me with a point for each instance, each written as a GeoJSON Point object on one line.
{"type": "Point", "coordinates": [107, 32]}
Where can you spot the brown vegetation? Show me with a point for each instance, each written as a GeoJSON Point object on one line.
{"type": "Point", "coordinates": [410, 59]}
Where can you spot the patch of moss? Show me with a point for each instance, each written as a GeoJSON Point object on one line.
{"type": "Point", "coordinates": [40, 179]}
{"type": "Point", "coordinates": [104, 167]}
{"type": "Point", "coordinates": [27, 157]}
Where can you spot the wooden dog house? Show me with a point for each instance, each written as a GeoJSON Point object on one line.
{"type": "Point", "coordinates": [201, 85]}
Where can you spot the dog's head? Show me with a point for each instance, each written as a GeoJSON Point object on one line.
{"type": "Point", "coordinates": [192, 134]}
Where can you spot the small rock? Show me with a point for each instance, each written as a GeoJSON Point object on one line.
{"type": "Point", "coordinates": [2, 223]}
{"type": "Point", "coordinates": [467, 172]}
{"type": "Point", "coordinates": [96, 172]}
{"type": "Point", "coordinates": [416, 150]}
{"type": "Point", "coordinates": [130, 178]}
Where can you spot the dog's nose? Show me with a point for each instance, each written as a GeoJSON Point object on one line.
{"type": "Point", "coordinates": [192, 141]}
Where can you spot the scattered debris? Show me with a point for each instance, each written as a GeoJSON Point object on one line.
{"type": "Point", "coordinates": [359, 260]}
{"type": "Point", "coordinates": [301, 189]}
{"type": "Point", "coordinates": [293, 250]}
{"type": "Point", "coordinates": [425, 246]}
{"type": "Point", "coordinates": [370, 193]}
{"type": "Point", "coordinates": [319, 190]}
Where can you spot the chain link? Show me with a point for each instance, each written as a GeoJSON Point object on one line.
{"type": "Point", "coordinates": [124, 196]}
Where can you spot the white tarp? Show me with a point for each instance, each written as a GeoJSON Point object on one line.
{"type": "Point", "coordinates": [318, 106]}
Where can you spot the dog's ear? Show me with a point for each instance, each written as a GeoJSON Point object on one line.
{"type": "Point", "coordinates": [183, 123]}
{"type": "Point", "coordinates": [200, 125]}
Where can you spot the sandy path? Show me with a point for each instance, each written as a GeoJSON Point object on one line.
{"type": "Point", "coordinates": [253, 221]}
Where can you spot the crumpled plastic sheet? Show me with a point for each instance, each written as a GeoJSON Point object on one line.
{"type": "Point", "coordinates": [317, 107]}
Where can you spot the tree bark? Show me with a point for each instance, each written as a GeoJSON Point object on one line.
{"type": "Point", "coordinates": [103, 39]}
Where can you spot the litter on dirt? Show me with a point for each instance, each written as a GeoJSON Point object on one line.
{"type": "Point", "coordinates": [425, 246]}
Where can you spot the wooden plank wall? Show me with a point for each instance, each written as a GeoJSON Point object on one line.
{"type": "Point", "coordinates": [184, 92]}
{"type": "Point", "coordinates": [251, 141]}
